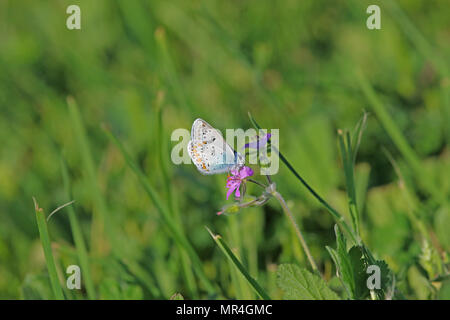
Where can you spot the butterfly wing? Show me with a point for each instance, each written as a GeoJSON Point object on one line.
{"type": "Point", "coordinates": [209, 151]}
{"type": "Point", "coordinates": [207, 158]}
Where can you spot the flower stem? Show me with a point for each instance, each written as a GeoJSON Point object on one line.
{"type": "Point", "coordinates": [336, 215]}
{"type": "Point", "coordinates": [288, 212]}
{"type": "Point", "coordinates": [258, 183]}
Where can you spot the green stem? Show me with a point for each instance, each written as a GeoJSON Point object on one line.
{"type": "Point", "coordinates": [336, 215]}
{"type": "Point", "coordinates": [230, 255]}
{"type": "Point", "coordinates": [257, 183]}
{"type": "Point", "coordinates": [291, 218]}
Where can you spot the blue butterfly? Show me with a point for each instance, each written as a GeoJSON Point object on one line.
{"type": "Point", "coordinates": [210, 152]}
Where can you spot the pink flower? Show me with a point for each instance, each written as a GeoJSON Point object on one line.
{"type": "Point", "coordinates": [234, 181]}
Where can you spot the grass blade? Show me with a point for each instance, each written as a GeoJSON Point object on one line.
{"type": "Point", "coordinates": [230, 255]}
{"type": "Point", "coordinates": [169, 71]}
{"type": "Point", "coordinates": [101, 229]}
{"type": "Point", "coordinates": [347, 160]}
{"type": "Point", "coordinates": [336, 215]}
{"type": "Point", "coordinates": [415, 36]}
{"type": "Point", "coordinates": [399, 140]}
{"type": "Point", "coordinates": [142, 275]}
{"type": "Point", "coordinates": [46, 245]}
{"type": "Point", "coordinates": [164, 214]}
{"type": "Point", "coordinates": [357, 135]}
{"type": "Point", "coordinates": [243, 290]}
{"type": "Point", "coordinates": [78, 236]}
{"type": "Point", "coordinates": [185, 261]}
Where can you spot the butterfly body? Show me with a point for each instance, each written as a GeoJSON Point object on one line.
{"type": "Point", "coordinates": [209, 151]}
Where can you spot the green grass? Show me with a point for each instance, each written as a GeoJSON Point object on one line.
{"type": "Point", "coordinates": [78, 237]}
{"type": "Point", "coordinates": [399, 140]}
{"type": "Point", "coordinates": [104, 101]}
{"type": "Point", "coordinates": [238, 265]}
{"type": "Point", "coordinates": [167, 219]}
{"type": "Point", "coordinates": [46, 245]}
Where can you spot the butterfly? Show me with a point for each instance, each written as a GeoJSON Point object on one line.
{"type": "Point", "coordinates": [210, 152]}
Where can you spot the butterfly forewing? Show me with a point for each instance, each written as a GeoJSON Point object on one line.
{"type": "Point", "coordinates": [209, 151]}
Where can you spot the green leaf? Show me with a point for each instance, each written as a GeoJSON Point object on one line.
{"type": "Point", "coordinates": [350, 267]}
{"type": "Point", "coordinates": [343, 265]}
{"type": "Point", "coordinates": [386, 290]}
{"type": "Point", "coordinates": [300, 284]}
{"type": "Point", "coordinates": [386, 277]}
{"type": "Point", "coordinates": [359, 267]}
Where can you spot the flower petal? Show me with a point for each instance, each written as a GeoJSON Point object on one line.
{"type": "Point", "coordinates": [238, 192]}
{"type": "Point", "coordinates": [259, 143]}
{"type": "Point", "coordinates": [231, 188]}
{"type": "Point", "coordinates": [245, 172]}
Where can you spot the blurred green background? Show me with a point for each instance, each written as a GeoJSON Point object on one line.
{"type": "Point", "coordinates": [293, 64]}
